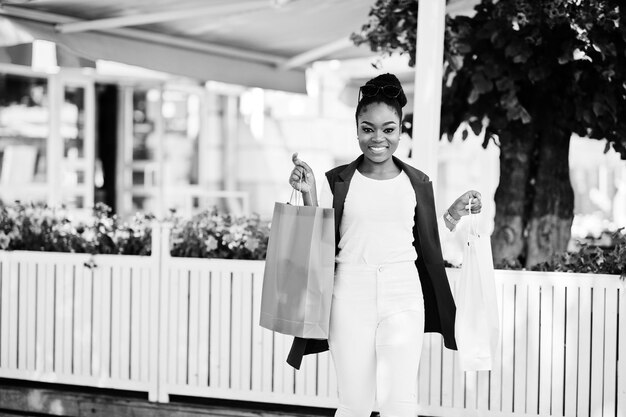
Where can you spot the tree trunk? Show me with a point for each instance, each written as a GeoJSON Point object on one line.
{"type": "Point", "coordinates": [507, 240]}
{"type": "Point", "coordinates": [550, 221]}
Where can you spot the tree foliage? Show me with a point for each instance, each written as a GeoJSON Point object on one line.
{"type": "Point", "coordinates": [391, 27]}
{"type": "Point", "coordinates": [516, 61]}
{"type": "Point", "coordinates": [529, 74]}
{"type": "Point", "coordinates": [557, 64]}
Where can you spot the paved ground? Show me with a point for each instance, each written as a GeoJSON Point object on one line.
{"type": "Point", "coordinates": [18, 398]}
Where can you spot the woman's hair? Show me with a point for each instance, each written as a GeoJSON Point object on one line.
{"type": "Point", "coordinates": [382, 80]}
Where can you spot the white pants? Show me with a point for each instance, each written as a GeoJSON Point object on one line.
{"type": "Point", "coordinates": [375, 338]}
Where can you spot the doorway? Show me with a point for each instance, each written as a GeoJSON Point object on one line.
{"type": "Point", "coordinates": [107, 109]}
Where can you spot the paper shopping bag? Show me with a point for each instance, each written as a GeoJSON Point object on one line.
{"type": "Point", "coordinates": [477, 324]}
{"type": "Point", "coordinates": [299, 271]}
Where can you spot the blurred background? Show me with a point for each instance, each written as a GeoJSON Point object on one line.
{"type": "Point", "coordinates": [151, 120]}
{"type": "Point", "coordinates": [188, 111]}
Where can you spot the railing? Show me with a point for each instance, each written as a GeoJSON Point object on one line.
{"type": "Point", "coordinates": [558, 355]}
{"type": "Point", "coordinates": [65, 322]}
{"type": "Point", "coordinates": [183, 326]}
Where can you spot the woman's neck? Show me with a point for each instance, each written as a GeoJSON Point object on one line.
{"type": "Point", "coordinates": [382, 171]}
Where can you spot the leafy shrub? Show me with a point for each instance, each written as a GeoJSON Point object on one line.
{"type": "Point", "coordinates": [211, 234]}
{"type": "Point", "coordinates": [509, 264]}
{"type": "Point", "coordinates": [591, 258]}
{"type": "Point", "coordinates": [38, 227]}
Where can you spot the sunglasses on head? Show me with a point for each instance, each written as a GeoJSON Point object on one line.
{"type": "Point", "coordinates": [390, 91]}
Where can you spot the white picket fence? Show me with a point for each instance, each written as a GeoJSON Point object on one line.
{"type": "Point", "coordinates": [180, 326]}
{"type": "Point", "coordinates": [63, 322]}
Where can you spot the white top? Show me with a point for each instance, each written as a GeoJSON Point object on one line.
{"type": "Point", "coordinates": [377, 222]}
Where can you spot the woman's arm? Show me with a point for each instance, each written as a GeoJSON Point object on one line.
{"type": "Point", "coordinates": [310, 198]}
{"type": "Point", "coordinates": [303, 180]}
{"type": "Point", "coordinates": [460, 208]}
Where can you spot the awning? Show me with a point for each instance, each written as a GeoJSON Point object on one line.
{"type": "Point", "coordinates": [169, 59]}
{"type": "Point", "coordinates": [261, 43]}
{"type": "Point", "coordinates": [257, 43]}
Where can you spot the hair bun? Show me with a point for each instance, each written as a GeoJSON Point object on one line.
{"type": "Point", "coordinates": [389, 79]}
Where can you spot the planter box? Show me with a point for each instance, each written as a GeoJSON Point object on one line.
{"type": "Point", "coordinates": [183, 326]}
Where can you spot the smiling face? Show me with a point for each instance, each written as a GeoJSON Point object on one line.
{"type": "Point", "coordinates": [378, 132]}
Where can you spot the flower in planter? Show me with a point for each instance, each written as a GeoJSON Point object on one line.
{"type": "Point", "coordinates": [211, 234]}
{"type": "Point", "coordinates": [14, 233]}
{"type": "Point", "coordinates": [4, 241]}
{"type": "Point", "coordinates": [252, 244]}
{"type": "Point", "coordinates": [38, 227]}
{"type": "Point", "coordinates": [211, 243]}
{"type": "Point", "coordinates": [227, 239]}
{"type": "Point", "coordinates": [89, 235]}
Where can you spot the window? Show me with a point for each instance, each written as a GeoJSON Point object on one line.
{"type": "Point", "coordinates": [24, 132]}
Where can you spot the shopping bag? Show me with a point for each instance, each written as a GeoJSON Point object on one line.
{"type": "Point", "coordinates": [477, 323]}
{"type": "Point", "coordinates": [299, 271]}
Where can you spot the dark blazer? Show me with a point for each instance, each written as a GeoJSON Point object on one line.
{"type": "Point", "coordinates": [438, 302]}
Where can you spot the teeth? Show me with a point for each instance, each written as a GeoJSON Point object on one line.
{"type": "Point", "coordinates": [377, 149]}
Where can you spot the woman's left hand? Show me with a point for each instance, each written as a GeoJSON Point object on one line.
{"type": "Point", "coordinates": [460, 206]}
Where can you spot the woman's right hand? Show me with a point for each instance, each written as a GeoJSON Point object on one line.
{"type": "Point", "coordinates": [301, 178]}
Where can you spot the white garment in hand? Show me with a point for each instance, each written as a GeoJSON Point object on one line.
{"type": "Point", "coordinates": [477, 324]}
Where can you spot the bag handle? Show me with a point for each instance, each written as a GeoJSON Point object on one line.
{"type": "Point", "coordinates": [473, 229]}
{"type": "Point", "coordinates": [297, 193]}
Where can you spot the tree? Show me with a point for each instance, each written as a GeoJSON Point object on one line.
{"type": "Point", "coordinates": [528, 74]}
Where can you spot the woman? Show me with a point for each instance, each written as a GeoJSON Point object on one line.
{"type": "Point", "coordinates": [390, 281]}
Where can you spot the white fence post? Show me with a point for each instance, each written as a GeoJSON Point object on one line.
{"type": "Point", "coordinates": [155, 319]}
{"type": "Point", "coordinates": [621, 363]}
{"type": "Point", "coordinates": [5, 264]}
{"type": "Point", "coordinates": [163, 308]}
